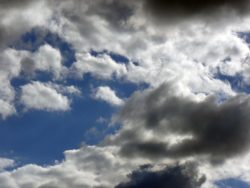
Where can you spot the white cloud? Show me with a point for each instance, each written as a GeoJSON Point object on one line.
{"type": "Point", "coordinates": [48, 59]}
{"type": "Point", "coordinates": [6, 109]}
{"type": "Point", "coordinates": [102, 66]}
{"type": "Point", "coordinates": [108, 95]}
{"type": "Point", "coordinates": [95, 166]}
{"type": "Point", "coordinates": [29, 15]}
{"type": "Point", "coordinates": [10, 68]}
{"type": "Point", "coordinates": [189, 53]}
{"type": "Point", "coordinates": [234, 168]}
{"type": "Point", "coordinates": [5, 163]}
{"type": "Point", "coordinates": [45, 59]}
{"type": "Point", "coordinates": [88, 167]}
{"type": "Point", "coordinates": [42, 96]}
{"type": "Point", "coordinates": [14, 62]}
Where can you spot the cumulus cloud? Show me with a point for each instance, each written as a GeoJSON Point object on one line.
{"type": "Point", "coordinates": [158, 124]}
{"type": "Point", "coordinates": [108, 95]}
{"type": "Point", "coordinates": [178, 176]}
{"type": "Point", "coordinates": [95, 166]}
{"type": "Point", "coordinates": [215, 129]}
{"type": "Point", "coordinates": [88, 167]}
{"type": "Point", "coordinates": [29, 13]}
{"type": "Point", "coordinates": [42, 96]}
{"type": "Point", "coordinates": [9, 69]}
{"type": "Point", "coordinates": [48, 59]}
{"type": "Point", "coordinates": [45, 59]}
{"type": "Point", "coordinates": [15, 62]}
{"type": "Point", "coordinates": [7, 109]}
{"type": "Point", "coordinates": [5, 163]}
{"type": "Point", "coordinates": [169, 10]}
{"type": "Point", "coordinates": [102, 66]}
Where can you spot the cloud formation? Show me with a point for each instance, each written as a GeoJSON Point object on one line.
{"type": "Point", "coordinates": [108, 95]}
{"type": "Point", "coordinates": [42, 96]}
{"type": "Point", "coordinates": [177, 176]}
{"type": "Point", "coordinates": [184, 9]}
{"type": "Point", "coordinates": [101, 66]}
{"type": "Point", "coordinates": [216, 129]}
{"type": "Point", "coordinates": [158, 124]}
{"type": "Point", "coordinates": [14, 3]}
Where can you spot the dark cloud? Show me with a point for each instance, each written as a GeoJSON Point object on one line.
{"type": "Point", "coordinates": [28, 65]}
{"type": "Point", "coordinates": [14, 3]}
{"type": "Point", "coordinates": [217, 130]}
{"type": "Point", "coordinates": [177, 176]}
{"type": "Point", "coordinates": [169, 9]}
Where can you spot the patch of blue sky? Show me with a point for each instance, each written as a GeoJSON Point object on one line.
{"type": "Point", "coordinates": [245, 36]}
{"type": "Point", "coordinates": [116, 57]}
{"type": "Point", "coordinates": [232, 183]}
{"type": "Point", "coordinates": [37, 37]}
{"type": "Point", "coordinates": [40, 137]}
{"type": "Point", "coordinates": [236, 82]}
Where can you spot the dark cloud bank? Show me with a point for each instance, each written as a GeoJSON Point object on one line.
{"type": "Point", "coordinates": [176, 176]}
{"type": "Point", "coordinates": [218, 131]}
{"type": "Point", "coordinates": [14, 3]}
{"type": "Point", "coordinates": [188, 8]}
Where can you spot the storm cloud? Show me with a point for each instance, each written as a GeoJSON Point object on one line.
{"type": "Point", "coordinates": [178, 176]}
{"type": "Point", "coordinates": [14, 3]}
{"type": "Point", "coordinates": [217, 129]}
{"type": "Point", "coordinates": [169, 9]}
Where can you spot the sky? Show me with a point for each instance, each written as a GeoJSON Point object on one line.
{"type": "Point", "coordinates": [124, 94]}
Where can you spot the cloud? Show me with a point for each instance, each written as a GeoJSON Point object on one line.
{"type": "Point", "coordinates": [88, 167]}
{"type": "Point", "coordinates": [48, 59]}
{"type": "Point", "coordinates": [13, 63]}
{"type": "Point", "coordinates": [102, 66]}
{"type": "Point", "coordinates": [102, 166]}
{"type": "Point", "coordinates": [106, 94]}
{"type": "Point", "coordinates": [29, 13]}
{"type": "Point", "coordinates": [14, 3]}
{"type": "Point", "coordinates": [45, 59]}
{"type": "Point", "coordinates": [158, 124]}
{"type": "Point", "coordinates": [184, 9]}
{"type": "Point", "coordinates": [5, 163]}
{"type": "Point", "coordinates": [42, 96]}
{"type": "Point", "coordinates": [9, 69]}
{"type": "Point", "coordinates": [215, 129]}
{"type": "Point", "coordinates": [7, 109]}
{"type": "Point", "coordinates": [178, 176]}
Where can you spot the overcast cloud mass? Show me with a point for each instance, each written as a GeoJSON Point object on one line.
{"type": "Point", "coordinates": [185, 122]}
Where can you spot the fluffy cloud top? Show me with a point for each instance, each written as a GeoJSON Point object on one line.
{"type": "Point", "coordinates": [106, 94]}
{"type": "Point", "coordinates": [41, 96]}
{"type": "Point", "coordinates": [4, 163]}
{"type": "Point", "coordinates": [102, 66]}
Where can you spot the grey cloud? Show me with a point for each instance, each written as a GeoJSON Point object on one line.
{"type": "Point", "coordinates": [14, 3]}
{"type": "Point", "coordinates": [177, 176]}
{"type": "Point", "coordinates": [168, 9]}
{"type": "Point", "coordinates": [12, 28]}
{"type": "Point", "coordinates": [28, 65]}
{"type": "Point", "coordinates": [218, 131]}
